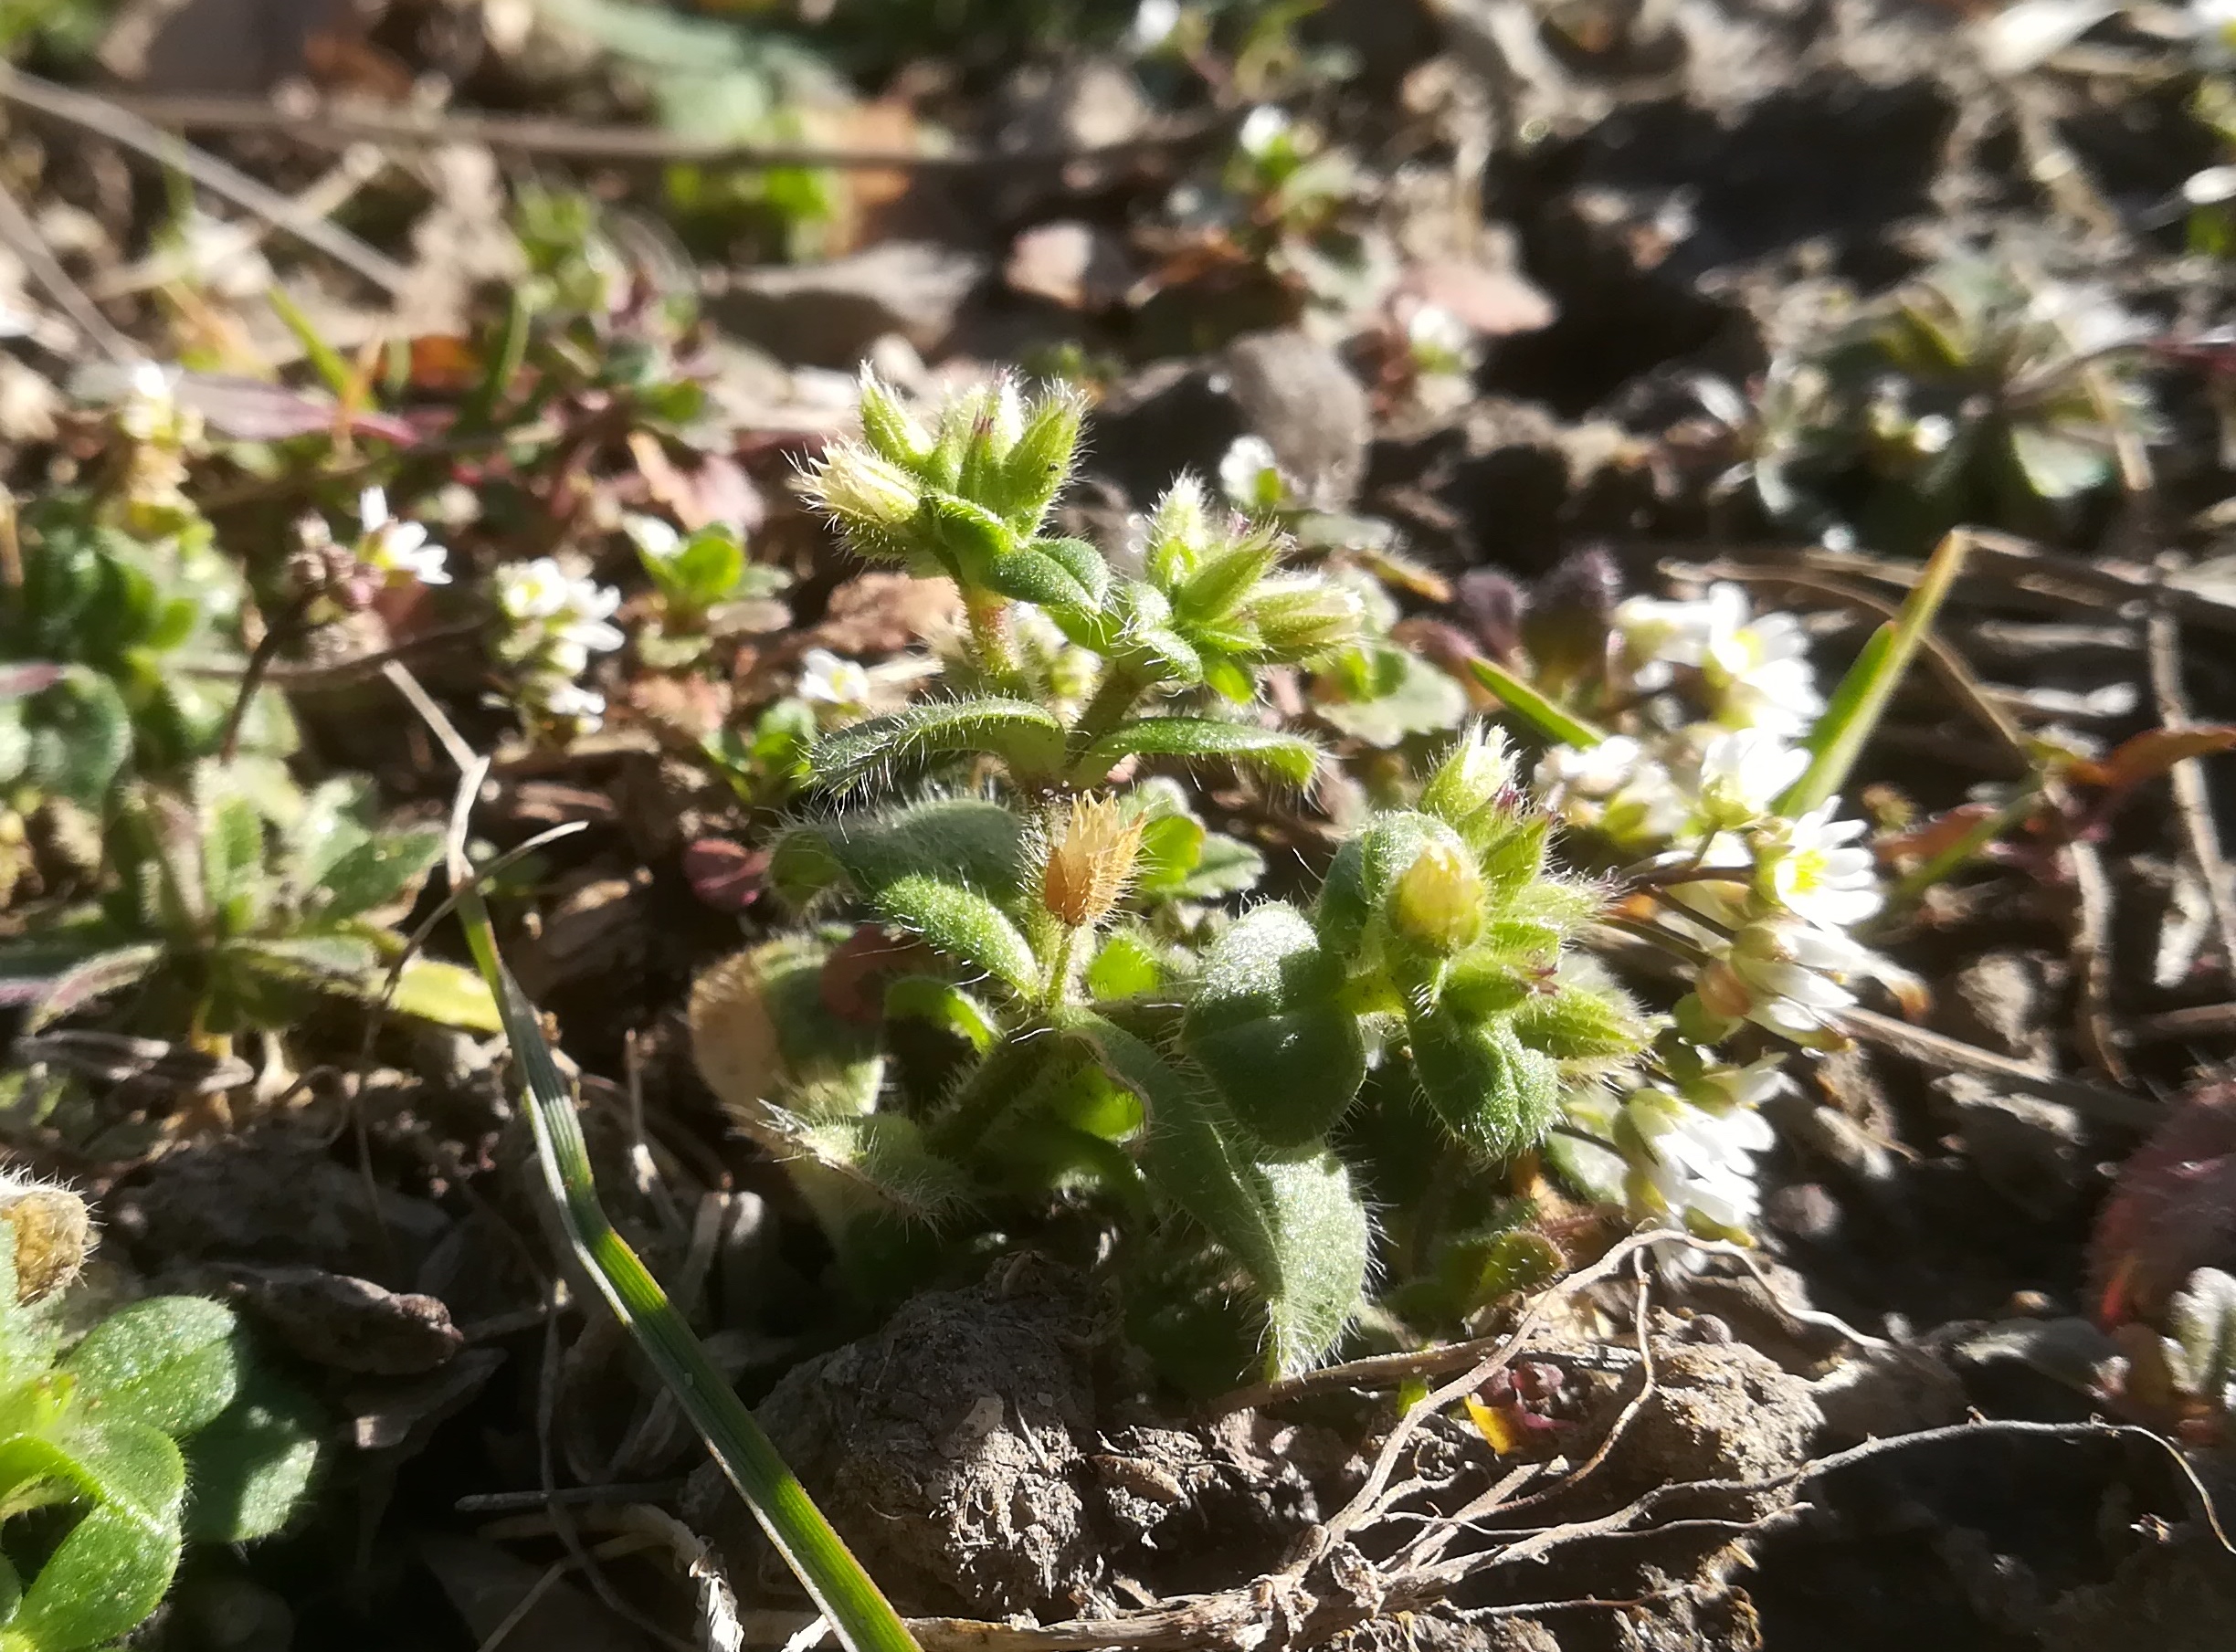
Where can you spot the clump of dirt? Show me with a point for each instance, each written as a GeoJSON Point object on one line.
{"type": "Point", "coordinates": [958, 1453]}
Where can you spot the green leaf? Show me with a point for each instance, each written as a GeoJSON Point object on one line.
{"type": "Point", "coordinates": [77, 737]}
{"type": "Point", "coordinates": [1579, 1023]}
{"type": "Point", "coordinates": [232, 849]}
{"type": "Point", "coordinates": [385, 868]}
{"type": "Point", "coordinates": [101, 1582]}
{"type": "Point", "coordinates": [1852, 714]}
{"type": "Point", "coordinates": [945, 1005]}
{"type": "Point", "coordinates": [708, 567]}
{"type": "Point", "coordinates": [1083, 562]}
{"type": "Point", "coordinates": [1265, 1025]}
{"type": "Point", "coordinates": [966, 840]}
{"type": "Point", "coordinates": [1364, 874]}
{"type": "Point", "coordinates": [1285, 756]}
{"type": "Point", "coordinates": [252, 1468]}
{"type": "Point", "coordinates": [1422, 700]}
{"type": "Point", "coordinates": [2202, 1321]}
{"type": "Point", "coordinates": [1033, 576]}
{"type": "Point", "coordinates": [446, 994]}
{"type": "Point", "coordinates": [965, 926]}
{"type": "Point", "coordinates": [1125, 966]}
{"type": "Point", "coordinates": [172, 1362]}
{"type": "Point", "coordinates": [1325, 1242]}
{"type": "Point", "coordinates": [340, 962]}
{"type": "Point", "coordinates": [1548, 720]}
{"type": "Point", "coordinates": [90, 978]}
{"type": "Point", "coordinates": [884, 1157]}
{"type": "Point", "coordinates": [1028, 737]}
{"type": "Point", "coordinates": [1297, 1228]}
{"type": "Point", "coordinates": [1492, 1091]}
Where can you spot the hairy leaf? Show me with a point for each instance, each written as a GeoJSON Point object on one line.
{"type": "Point", "coordinates": [252, 1468]}
{"type": "Point", "coordinates": [1296, 1227]}
{"type": "Point", "coordinates": [1492, 1091]}
{"type": "Point", "coordinates": [1579, 1023]}
{"type": "Point", "coordinates": [1266, 1025]}
{"type": "Point", "coordinates": [1028, 737]}
{"type": "Point", "coordinates": [965, 926]}
{"type": "Point", "coordinates": [1285, 756]}
{"type": "Point", "coordinates": [383, 868]}
{"type": "Point", "coordinates": [89, 978]}
{"type": "Point", "coordinates": [885, 1157]}
{"type": "Point", "coordinates": [173, 1362]}
{"type": "Point", "coordinates": [968, 840]}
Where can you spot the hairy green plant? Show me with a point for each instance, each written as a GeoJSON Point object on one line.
{"type": "Point", "coordinates": [235, 900]}
{"type": "Point", "coordinates": [153, 1428]}
{"type": "Point", "coordinates": [1192, 1065]}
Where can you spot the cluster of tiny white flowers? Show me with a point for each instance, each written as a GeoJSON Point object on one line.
{"type": "Point", "coordinates": [553, 623]}
{"type": "Point", "coordinates": [1715, 698]}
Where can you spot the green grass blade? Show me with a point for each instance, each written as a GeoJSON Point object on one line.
{"type": "Point", "coordinates": [859, 1614]}
{"type": "Point", "coordinates": [1534, 709]}
{"type": "Point", "coordinates": [1861, 699]}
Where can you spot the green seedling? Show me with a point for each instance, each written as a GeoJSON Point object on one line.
{"type": "Point", "coordinates": [154, 1428]}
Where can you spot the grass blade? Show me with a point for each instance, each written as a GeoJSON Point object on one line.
{"type": "Point", "coordinates": [1863, 697]}
{"type": "Point", "coordinates": [1534, 709]}
{"type": "Point", "coordinates": [859, 1614]}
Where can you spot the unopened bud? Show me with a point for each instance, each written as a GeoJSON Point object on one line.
{"type": "Point", "coordinates": [1438, 903]}
{"type": "Point", "coordinates": [863, 491]}
{"type": "Point", "coordinates": [1304, 616]}
{"type": "Point", "coordinates": [1039, 458]}
{"type": "Point", "coordinates": [887, 426]}
{"type": "Point", "coordinates": [52, 1233]}
{"type": "Point", "coordinates": [1476, 776]}
{"type": "Point", "coordinates": [1179, 531]}
{"type": "Point", "coordinates": [1091, 863]}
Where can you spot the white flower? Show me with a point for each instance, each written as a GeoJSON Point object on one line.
{"type": "Point", "coordinates": [1154, 22]}
{"type": "Point", "coordinates": [149, 409]}
{"type": "Point", "coordinates": [1818, 873]}
{"type": "Point", "coordinates": [2209, 187]}
{"type": "Point", "coordinates": [1251, 476]}
{"type": "Point", "coordinates": [1594, 772]}
{"type": "Point", "coordinates": [401, 550]}
{"type": "Point", "coordinates": [1783, 974]}
{"type": "Point", "coordinates": [829, 679]}
{"type": "Point", "coordinates": [1695, 1162]}
{"type": "Point", "coordinates": [656, 538]}
{"type": "Point", "coordinates": [1757, 671]}
{"type": "Point", "coordinates": [1743, 773]}
{"type": "Point", "coordinates": [563, 701]}
{"type": "Point", "coordinates": [1439, 340]}
{"type": "Point", "coordinates": [1263, 128]}
{"type": "Point", "coordinates": [536, 590]}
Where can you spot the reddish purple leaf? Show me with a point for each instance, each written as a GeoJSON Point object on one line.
{"type": "Point", "coordinates": [726, 876]}
{"type": "Point", "coordinates": [249, 410]}
{"type": "Point", "coordinates": [2172, 1210]}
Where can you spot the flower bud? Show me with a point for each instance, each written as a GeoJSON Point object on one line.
{"type": "Point", "coordinates": [888, 426]}
{"type": "Point", "coordinates": [1475, 776]}
{"type": "Point", "coordinates": [1438, 903]}
{"type": "Point", "coordinates": [1179, 531]}
{"type": "Point", "coordinates": [52, 1234]}
{"type": "Point", "coordinates": [1040, 457]}
{"type": "Point", "coordinates": [1090, 865]}
{"type": "Point", "coordinates": [863, 491]}
{"type": "Point", "coordinates": [1301, 617]}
